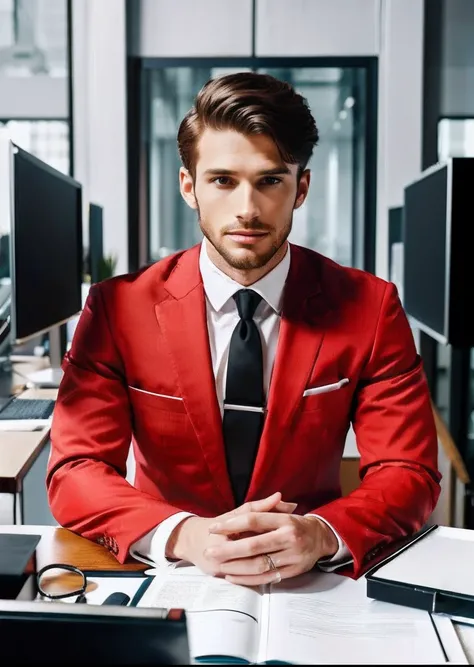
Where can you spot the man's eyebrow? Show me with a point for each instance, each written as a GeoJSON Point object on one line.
{"type": "Point", "coordinates": [274, 171]}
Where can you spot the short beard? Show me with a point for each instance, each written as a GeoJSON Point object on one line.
{"type": "Point", "coordinates": [251, 262]}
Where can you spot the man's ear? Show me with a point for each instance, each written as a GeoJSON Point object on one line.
{"type": "Point", "coordinates": [303, 187]}
{"type": "Point", "coordinates": [186, 187]}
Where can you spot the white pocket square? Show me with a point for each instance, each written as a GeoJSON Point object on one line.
{"type": "Point", "coordinates": [325, 388]}
{"type": "Point", "coordinates": [151, 393]}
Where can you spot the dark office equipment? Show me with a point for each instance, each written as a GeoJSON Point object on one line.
{"type": "Point", "coordinates": [96, 242]}
{"type": "Point", "coordinates": [56, 633]}
{"type": "Point", "coordinates": [438, 284]}
{"type": "Point", "coordinates": [120, 599]}
{"type": "Point", "coordinates": [47, 247]}
{"type": "Point", "coordinates": [409, 593]}
{"type": "Point", "coordinates": [16, 562]}
{"type": "Point", "coordinates": [27, 408]}
{"type": "Point", "coordinates": [395, 231]}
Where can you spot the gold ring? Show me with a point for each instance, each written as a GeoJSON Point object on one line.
{"type": "Point", "coordinates": [271, 564]}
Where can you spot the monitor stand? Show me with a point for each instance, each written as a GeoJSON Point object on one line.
{"type": "Point", "coordinates": [50, 378]}
{"type": "Point", "coordinates": [7, 382]}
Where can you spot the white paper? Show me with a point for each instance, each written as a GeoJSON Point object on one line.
{"type": "Point", "coordinates": [452, 644]}
{"type": "Point", "coordinates": [442, 560]}
{"type": "Point", "coordinates": [223, 619]}
{"type": "Point", "coordinates": [317, 618]}
{"type": "Point", "coordinates": [24, 424]}
{"type": "Point", "coordinates": [328, 619]}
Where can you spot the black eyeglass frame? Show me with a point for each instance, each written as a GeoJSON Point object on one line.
{"type": "Point", "coordinates": [61, 566]}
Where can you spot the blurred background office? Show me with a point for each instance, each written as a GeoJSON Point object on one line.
{"type": "Point", "coordinates": [97, 88]}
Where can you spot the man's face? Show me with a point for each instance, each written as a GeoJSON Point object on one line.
{"type": "Point", "coordinates": [245, 196]}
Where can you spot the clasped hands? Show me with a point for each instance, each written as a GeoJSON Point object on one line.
{"type": "Point", "coordinates": [260, 542]}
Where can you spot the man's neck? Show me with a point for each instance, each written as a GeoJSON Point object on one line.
{"type": "Point", "coordinates": [245, 278]}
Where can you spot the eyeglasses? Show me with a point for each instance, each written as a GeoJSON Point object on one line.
{"type": "Point", "coordinates": [58, 581]}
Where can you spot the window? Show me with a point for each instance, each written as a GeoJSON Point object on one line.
{"type": "Point", "coordinates": [33, 53]}
{"type": "Point", "coordinates": [332, 220]}
{"type": "Point", "coordinates": [48, 140]}
{"type": "Point", "coordinates": [33, 38]}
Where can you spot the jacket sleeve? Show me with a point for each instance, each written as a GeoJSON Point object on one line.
{"type": "Point", "coordinates": [91, 435]}
{"type": "Point", "coordinates": [397, 441]}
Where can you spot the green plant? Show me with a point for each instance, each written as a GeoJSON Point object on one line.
{"type": "Point", "coordinates": [107, 267]}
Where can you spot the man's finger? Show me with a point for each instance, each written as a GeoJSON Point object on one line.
{"type": "Point", "coordinates": [256, 522]}
{"type": "Point", "coordinates": [263, 505]}
{"type": "Point", "coordinates": [285, 508]}
{"type": "Point", "coordinates": [258, 564]}
{"type": "Point", "coordinates": [248, 547]}
{"type": "Point", "coordinates": [271, 577]}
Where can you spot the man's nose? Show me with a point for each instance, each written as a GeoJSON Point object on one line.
{"type": "Point", "coordinates": [247, 207]}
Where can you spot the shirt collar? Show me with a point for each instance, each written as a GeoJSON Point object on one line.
{"type": "Point", "coordinates": [220, 288]}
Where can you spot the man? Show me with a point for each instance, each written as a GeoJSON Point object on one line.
{"type": "Point", "coordinates": [236, 367]}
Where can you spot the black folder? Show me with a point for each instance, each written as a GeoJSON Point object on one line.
{"type": "Point", "coordinates": [427, 575]}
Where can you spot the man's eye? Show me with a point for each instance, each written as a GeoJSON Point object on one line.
{"type": "Point", "coordinates": [221, 180]}
{"type": "Point", "coordinates": [270, 180]}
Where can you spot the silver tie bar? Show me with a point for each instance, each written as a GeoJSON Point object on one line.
{"type": "Point", "coordinates": [243, 408]}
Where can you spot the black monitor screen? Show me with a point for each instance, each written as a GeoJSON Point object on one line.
{"type": "Point", "coordinates": [47, 234]}
{"type": "Point", "coordinates": [424, 231]}
{"type": "Point", "coordinates": [96, 242]}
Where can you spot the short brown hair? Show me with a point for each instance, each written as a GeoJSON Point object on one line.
{"type": "Point", "coordinates": [251, 103]}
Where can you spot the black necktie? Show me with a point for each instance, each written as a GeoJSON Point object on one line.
{"type": "Point", "coordinates": [244, 389]}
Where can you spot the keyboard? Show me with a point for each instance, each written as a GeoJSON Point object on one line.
{"type": "Point", "coordinates": [27, 408]}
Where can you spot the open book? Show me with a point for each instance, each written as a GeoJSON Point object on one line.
{"type": "Point", "coordinates": [316, 618]}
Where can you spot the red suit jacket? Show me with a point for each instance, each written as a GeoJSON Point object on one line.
{"type": "Point", "coordinates": [143, 338]}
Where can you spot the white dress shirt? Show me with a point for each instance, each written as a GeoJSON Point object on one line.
{"type": "Point", "coordinates": [222, 318]}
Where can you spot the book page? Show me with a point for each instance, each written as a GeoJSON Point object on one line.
{"type": "Point", "coordinates": [441, 560]}
{"type": "Point", "coordinates": [325, 618]}
{"type": "Point", "coordinates": [223, 619]}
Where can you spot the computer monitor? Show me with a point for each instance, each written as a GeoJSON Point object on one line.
{"type": "Point", "coordinates": [55, 633]}
{"type": "Point", "coordinates": [96, 242]}
{"type": "Point", "coordinates": [438, 284]}
{"type": "Point", "coordinates": [41, 212]}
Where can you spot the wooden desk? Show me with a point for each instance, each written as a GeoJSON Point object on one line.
{"type": "Point", "coordinates": [59, 545]}
{"type": "Point", "coordinates": [20, 450]}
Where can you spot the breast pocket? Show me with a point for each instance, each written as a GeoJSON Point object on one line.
{"type": "Point", "coordinates": [159, 414]}
{"type": "Point", "coordinates": [329, 396]}
{"type": "Point", "coordinates": [326, 414]}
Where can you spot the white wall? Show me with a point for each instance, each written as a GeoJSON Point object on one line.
{"type": "Point", "coordinates": [317, 27]}
{"type": "Point", "coordinates": [99, 106]}
{"type": "Point", "coordinates": [399, 111]}
{"type": "Point", "coordinates": [38, 96]}
{"type": "Point", "coordinates": [193, 29]}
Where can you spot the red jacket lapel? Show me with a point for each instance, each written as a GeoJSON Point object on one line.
{"type": "Point", "coordinates": [300, 339]}
{"type": "Point", "coordinates": [182, 319]}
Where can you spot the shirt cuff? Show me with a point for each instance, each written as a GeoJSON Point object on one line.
{"type": "Point", "coordinates": [342, 556]}
{"type": "Point", "coordinates": [151, 548]}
